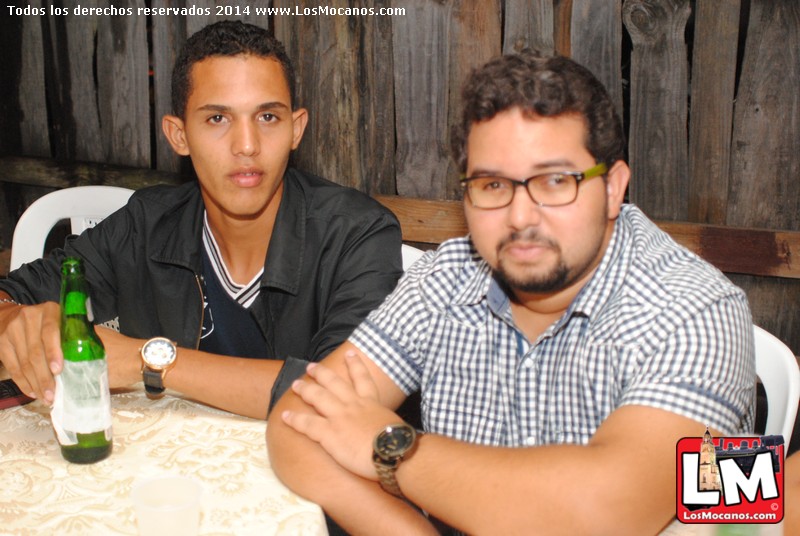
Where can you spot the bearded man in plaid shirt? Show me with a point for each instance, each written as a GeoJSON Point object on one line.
{"type": "Point", "coordinates": [561, 349]}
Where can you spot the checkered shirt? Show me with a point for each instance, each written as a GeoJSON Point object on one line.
{"type": "Point", "coordinates": [655, 326]}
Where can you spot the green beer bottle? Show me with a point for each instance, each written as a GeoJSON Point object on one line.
{"type": "Point", "coordinates": [81, 411]}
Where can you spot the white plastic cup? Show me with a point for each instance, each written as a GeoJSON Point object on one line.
{"type": "Point", "coordinates": [168, 505]}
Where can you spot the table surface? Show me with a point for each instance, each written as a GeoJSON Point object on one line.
{"type": "Point", "coordinates": [41, 493]}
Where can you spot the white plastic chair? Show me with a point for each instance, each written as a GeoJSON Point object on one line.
{"type": "Point", "coordinates": [777, 368]}
{"type": "Point", "coordinates": [84, 206]}
{"type": "Point", "coordinates": [410, 255]}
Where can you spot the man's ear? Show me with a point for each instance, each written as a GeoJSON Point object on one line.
{"type": "Point", "coordinates": [175, 133]}
{"type": "Point", "coordinates": [299, 122]}
{"type": "Point", "coordinates": [616, 184]}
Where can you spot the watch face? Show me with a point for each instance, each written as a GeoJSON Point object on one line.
{"type": "Point", "coordinates": [159, 353]}
{"type": "Point", "coordinates": [394, 441]}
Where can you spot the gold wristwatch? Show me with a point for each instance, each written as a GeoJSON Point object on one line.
{"type": "Point", "coordinates": [391, 446]}
{"type": "Point", "coordinates": [158, 356]}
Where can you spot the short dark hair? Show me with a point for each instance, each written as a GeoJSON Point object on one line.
{"type": "Point", "coordinates": [225, 38]}
{"type": "Point", "coordinates": [546, 86]}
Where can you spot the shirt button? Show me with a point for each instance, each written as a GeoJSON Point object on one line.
{"type": "Point", "coordinates": [530, 441]}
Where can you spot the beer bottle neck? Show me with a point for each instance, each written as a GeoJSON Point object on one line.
{"type": "Point", "coordinates": [73, 295]}
{"type": "Point", "coordinates": [74, 291]}
{"type": "Point", "coordinates": [75, 303]}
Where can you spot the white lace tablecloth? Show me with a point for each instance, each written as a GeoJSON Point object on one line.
{"type": "Point", "coordinates": [41, 493]}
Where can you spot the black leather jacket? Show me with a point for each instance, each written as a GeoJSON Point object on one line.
{"type": "Point", "coordinates": [333, 257]}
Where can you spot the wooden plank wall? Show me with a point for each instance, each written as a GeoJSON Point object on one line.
{"type": "Point", "coordinates": [764, 185]}
{"type": "Point", "coordinates": [658, 142]}
{"type": "Point", "coordinates": [708, 90]}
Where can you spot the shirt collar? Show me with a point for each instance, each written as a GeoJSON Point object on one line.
{"type": "Point", "coordinates": [475, 280]}
{"type": "Point", "coordinates": [610, 273]}
{"type": "Point", "coordinates": [499, 302]}
{"type": "Point", "coordinates": [479, 282]}
{"type": "Point", "coordinates": [244, 294]}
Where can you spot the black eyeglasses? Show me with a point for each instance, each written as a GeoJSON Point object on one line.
{"type": "Point", "coordinates": [546, 190]}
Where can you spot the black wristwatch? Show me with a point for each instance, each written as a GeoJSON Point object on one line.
{"type": "Point", "coordinates": [391, 446]}
{"type": "Point", "coordinates": [158, 356]}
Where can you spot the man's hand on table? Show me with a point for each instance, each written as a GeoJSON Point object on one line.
{"type": "Point", "coordinates": [349, 415]}
{"type": "Point", "coordinates": [30, 350]}
{"type": "Point", "coordinates": [30, 347]}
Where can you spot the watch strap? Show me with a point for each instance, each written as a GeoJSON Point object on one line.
{"type": "Point", "coordinates": [153, 381]}
{"type": "Point", "coordinates": [386, 464]}
{"type": "Point", "coordinates": [387, 477]}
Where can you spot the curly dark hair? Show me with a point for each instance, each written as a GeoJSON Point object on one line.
{"type": "Point", "coordinates": [545, 86]}
{"type": "Point", "coordinates": [225, 38]}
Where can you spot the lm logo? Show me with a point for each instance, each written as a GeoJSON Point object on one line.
{"type": "Point", "coordinates": [730, 480]}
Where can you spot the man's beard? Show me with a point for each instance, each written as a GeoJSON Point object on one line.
{"type": "Point", "coordinates": [548, 282]}
{"type": "Point", "coordinates": [555, 280]}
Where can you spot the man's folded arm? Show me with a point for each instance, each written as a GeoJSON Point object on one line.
{"type": "Point", "coordinates": [622, 482]}
{"type": "Point", "coordinates": [600, 487]}
{"type": "Point", "coordinates": [357, 504]}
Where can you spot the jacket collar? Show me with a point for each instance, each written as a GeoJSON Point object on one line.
{"type": "Point", "coordinates": [182, 230]}
{"type": "Point", "coordinates": [287, 244]}
{"type": "Point", "coordinates": [287, 247]}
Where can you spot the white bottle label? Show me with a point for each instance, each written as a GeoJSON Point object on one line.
{"type": "Point", "coordinates": [82, 402]}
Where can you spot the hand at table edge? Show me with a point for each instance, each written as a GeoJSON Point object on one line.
{"type": "Point", "coordinates": [30, 346]}
{"type": "Point", "coordinates": [348, 414]}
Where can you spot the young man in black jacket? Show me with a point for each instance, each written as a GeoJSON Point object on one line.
{"type": "Point", "coordinates": [248, 273]}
